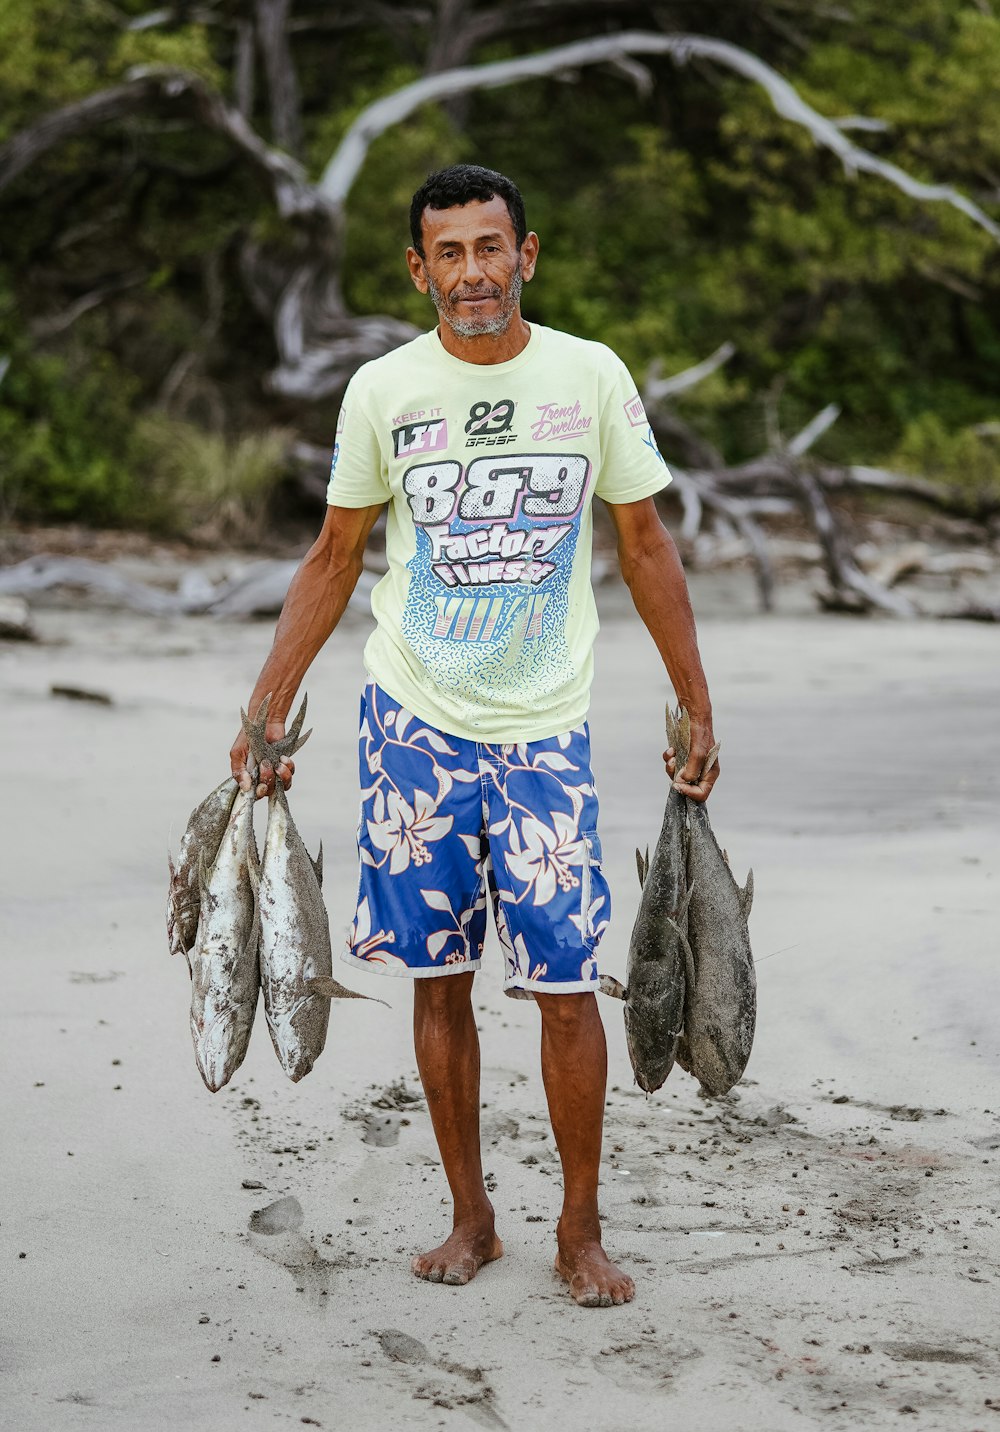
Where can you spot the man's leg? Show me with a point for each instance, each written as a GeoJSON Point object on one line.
{"type": "Point", "coordinates": [447, 1047]}
{"type": "Point", "coordinates": [574, 1070]}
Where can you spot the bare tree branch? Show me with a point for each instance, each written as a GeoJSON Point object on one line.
{"type": "Point", "coordinates": [814, 430]}
{"type": "Point", "coordinates": [657, 389]}
{"type": "Point", "coordinates": [243, 68]}
{"type": "Point", "coordinates": [852, 588]}
{"type": "Point", "coordinates": [294, 197]}
{"type": "Point", "coordinates": [282, 81]}
{"type": "Point", "coordinates": [55, 323]}
{"type": "Point", "coordinates": [382, 114]}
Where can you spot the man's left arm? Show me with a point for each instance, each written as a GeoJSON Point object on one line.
{"type": "Point", "coordinates": [654, 575]}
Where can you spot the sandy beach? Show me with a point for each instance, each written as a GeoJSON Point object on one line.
{"type": "Point", "coordinates": [818, 1249]}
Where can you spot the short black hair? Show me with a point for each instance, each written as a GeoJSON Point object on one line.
{"type": "Point", "coordinates": [465, 184]}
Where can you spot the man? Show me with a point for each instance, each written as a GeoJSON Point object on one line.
{"type": "Point", "coordinates": [487, 440]}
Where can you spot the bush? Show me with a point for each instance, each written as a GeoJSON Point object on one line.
{"type": "Point", "coordinates": [65, 433]}
{"type": "Point", "coordinates": [967, 461]}
{"type": "Point", "coordinates": [204, 485]}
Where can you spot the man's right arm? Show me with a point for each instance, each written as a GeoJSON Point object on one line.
{"type": "Point", "coordinates": [316, 600]}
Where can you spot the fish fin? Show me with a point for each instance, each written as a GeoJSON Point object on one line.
{"type": "Point", "coordinates": [608, 985]}
{"type": "Point", "coordinates": [746, 896]}
{"type": "Point", "coordinates": [639, 867]}
{"type": "Point", "coordinates": [712, 757]}
{"type": "Point", "coordinates": [725, 856]}
{"type": "Point", "coordinates": [317, 864]}
{"type": "Point", "coordinates": [688, 953]}
{"type": "Point", "coordinates": [328, 988]}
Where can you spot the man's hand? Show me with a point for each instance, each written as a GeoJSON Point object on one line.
{"type": "Point", "coordinates": [694, 781]}
{"type": "Point", "coordinates": [238, 760]}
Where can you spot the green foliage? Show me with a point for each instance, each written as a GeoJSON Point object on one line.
{"type": "Point", "coordinates": [670, 221]}
{"type": "Point", "coordinates": [189, 48]}
{"type": "Point", "coordinates": [65, 426]}
{"type": "Point", "coordinates": [967, 461]}
{"type": "Point", "coordinates": [205, 485]}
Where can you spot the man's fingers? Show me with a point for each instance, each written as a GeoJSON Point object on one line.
{"type": "Point", "coordinates": [695, 781]}
{"type": "Point", "coordinates": [238, 762]}
{"type": "Point", "coordinates": [265, 779]}
{"type": "Point", "coordinates": [286, 770]}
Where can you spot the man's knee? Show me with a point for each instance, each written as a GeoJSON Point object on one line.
{"type": "Point", "coordinates": [443, 998]}
{"type": "Point", "coordinates": [567, 1012]}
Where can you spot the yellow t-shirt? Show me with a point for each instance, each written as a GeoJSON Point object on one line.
{"type": "Point", "coordinates": [486, 616]}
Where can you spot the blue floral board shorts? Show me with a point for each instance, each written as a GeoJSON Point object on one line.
{"type": "Point", "coordinates": [444, 819]}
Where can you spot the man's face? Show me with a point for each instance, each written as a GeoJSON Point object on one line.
{"type": "Point", "coordinates": [472, 267]}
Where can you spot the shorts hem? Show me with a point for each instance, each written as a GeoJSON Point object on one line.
{"type": "Point", "coordinates": [550, 986]}
{"type": "Point", "coordinates": [408, 971]}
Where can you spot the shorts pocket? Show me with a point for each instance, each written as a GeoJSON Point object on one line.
{"type": "Point", "coordinates": [593, 889]}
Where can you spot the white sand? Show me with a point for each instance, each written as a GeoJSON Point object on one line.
{"type": "Point", "coordinates": [860, 779]}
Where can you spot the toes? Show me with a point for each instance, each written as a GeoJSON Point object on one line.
{"type": "Point", "coordinates": [459, 1274]}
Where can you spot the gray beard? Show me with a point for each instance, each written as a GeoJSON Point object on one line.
{"type": "Point", "coordinates": [474, 327]}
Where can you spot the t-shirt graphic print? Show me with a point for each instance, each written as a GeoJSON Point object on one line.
{"type": "Point", "coordinates": [486, 617]}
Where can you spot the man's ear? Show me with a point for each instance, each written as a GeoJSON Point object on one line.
{"type": "Point", "coordinates": [416, 266]}
{"type": "Point", "coordinates": [529, 256]}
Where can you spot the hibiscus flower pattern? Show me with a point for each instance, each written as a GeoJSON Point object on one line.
{"type": "Point", "coordinates": [443, 819]}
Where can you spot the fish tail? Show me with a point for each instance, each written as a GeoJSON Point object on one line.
{"type": "Point", "coordinates": [679, 735]}
{"type": "Point", "coordinates": [264, 750]}
{"type": "Point", "coordinates": [254, 730]}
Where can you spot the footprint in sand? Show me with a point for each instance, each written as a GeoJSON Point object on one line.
{"type": "Point", "coordinates": [652, 1363]}
{"type": "Point", "coordinates": [400, 1347]}
{"type": "Point", "coordinates": [455, 1386]}
{"type": "Point", "coordinates": [274, 1231]}
{"type": "Point", "coordinates": [382, 1129]}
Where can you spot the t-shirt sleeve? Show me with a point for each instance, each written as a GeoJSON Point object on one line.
{"type": "Point", "coordinates": [359, 475]}
{"type": "Point", "coordinates": [631, 465]}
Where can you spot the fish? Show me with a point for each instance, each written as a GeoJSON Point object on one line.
{"type": "Point", "coordinates": [296, 962]}
{"type": "Point", "coordinates": [225, 970]}
{"type": "Point", "coordinates": [720, 1010]}
{"type": "Point", "coordinates": [205, 829]}
{"type": "Point", "coordinates": [657, 970]}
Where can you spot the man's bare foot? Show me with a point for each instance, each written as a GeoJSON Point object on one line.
{"type": "Point", "coordinates": [594, 1281]}
{"type": "Point", "coordinates": [460, 1256]}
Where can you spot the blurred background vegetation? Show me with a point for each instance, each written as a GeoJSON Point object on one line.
{"type": "Point", "coordinates": [676, 210]}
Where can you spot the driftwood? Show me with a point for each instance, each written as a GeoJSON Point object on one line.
{"type": "Point", "coordinates": [737, 498]}
{"type": "Point", "coordinates": [258, 591]}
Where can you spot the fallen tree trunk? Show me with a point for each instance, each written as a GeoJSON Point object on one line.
{"type": "Point", "coordinates": [258, 591]}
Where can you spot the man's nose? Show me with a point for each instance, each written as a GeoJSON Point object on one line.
{"type": "Point", "coordinates": [472, 271]}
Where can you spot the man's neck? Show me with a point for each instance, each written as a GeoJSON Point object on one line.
{"type": "Point", "coordinates": [487, 348]}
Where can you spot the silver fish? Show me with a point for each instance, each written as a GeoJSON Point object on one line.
{"type": "Point", "coordinates": [657, 957]}
{"type": "Point", "coordinates": [296, 963]}
{"type": "Point", "coordinates": [225, 973]}
{"type": "Point", "coordinates": [205, 829]}
{"type": "Point", "coordinates": [720, 1011]}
